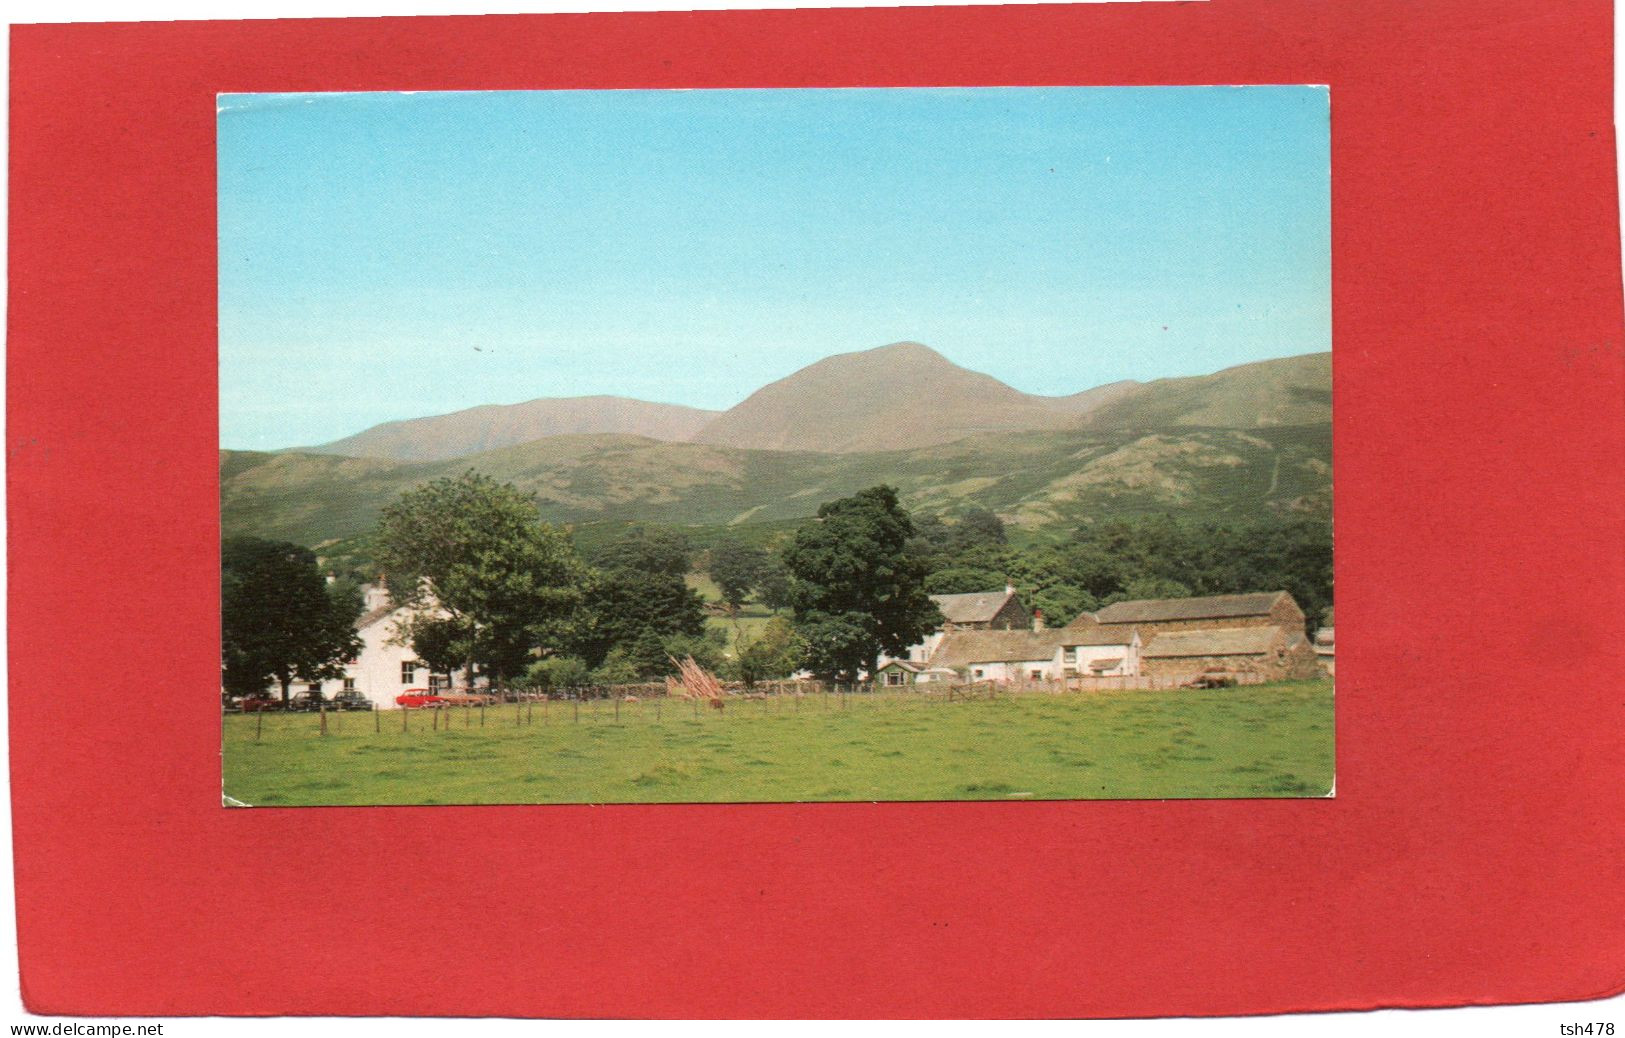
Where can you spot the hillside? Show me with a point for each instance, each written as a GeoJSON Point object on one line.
{"type": "Point", "coordinates": [1289, 391]}
{"type": "Point", "coordinates": [1035, 480]}
{"type": "Point", "coordinates": [494, 426]}
{"type": "Point", "coordinates": [892, 398]}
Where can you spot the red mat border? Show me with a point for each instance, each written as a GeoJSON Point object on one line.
{"type": "Point", "coordinates": [1473, 852]}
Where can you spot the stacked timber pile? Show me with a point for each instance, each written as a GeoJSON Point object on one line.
{"type": "Point", "coordinates": [695, 683]}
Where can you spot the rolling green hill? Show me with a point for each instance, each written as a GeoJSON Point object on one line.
{"type": "Point", "coordinates": [1035, 480]}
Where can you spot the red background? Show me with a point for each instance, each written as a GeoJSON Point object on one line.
{"type": "Point", "coordinates": [1474, 849]}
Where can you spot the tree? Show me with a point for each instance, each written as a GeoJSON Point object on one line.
{"type": "Point", "coordinates": [642, 591]}
{"type": "Point", "coordinates": [978, 526]}
{"type": "Point", "coordinates": [278, 621]}
{"type": "Point", "coordinates": [480, 570]}
{"type": "Point", "coordinates": [737, 569]}
{"type": "Point", "coordinates": [856, 587]}
{"type": "Point", "coordinates": [558, 672]}
{"type": "Point", "coordinates": [773, 584]}
{"type": "Point", "coordinates": [772, 655]}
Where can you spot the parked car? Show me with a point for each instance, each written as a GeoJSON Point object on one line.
{"type": "Point", "coordinates": [418, 698]}
{"type": "Point", "coordinates": [350, 699]}
{"type": "Point", "coordinates": [307, 702]}
{"type": "Point", "coordinates": [256, 704]}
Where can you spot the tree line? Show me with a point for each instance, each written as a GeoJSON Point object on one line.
{"type": "Point", "coordinates": [494, 590]}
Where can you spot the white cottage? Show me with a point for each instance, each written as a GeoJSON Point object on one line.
{"type": "Point", "coordinates": [1102, 652]}
{"type": "Point", "coordinates": [384, 668]}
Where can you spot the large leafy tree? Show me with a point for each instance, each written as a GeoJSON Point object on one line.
{"type": "Point", "coordinates": [737, 569]}
{"type": "Point", "coordinates": [278, 620]}
{"type": "Point", "coordinates": [857, 589]}
{"type": "Point", "coordinates": [638, 599]}
{"type": "Point", "coordinates": [485, 578]}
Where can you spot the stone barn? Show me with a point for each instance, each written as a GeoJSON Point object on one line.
{"type": "Point", "coordinates": [984, 611]}
{"type": "Point", "coordinates": [1260, 653]}
{"type": "Point", "coordinates": [1153, 615]}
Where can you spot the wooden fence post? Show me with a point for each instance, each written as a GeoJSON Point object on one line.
{"type": "Point", "coordinates": [434, 723]}
{"type": "Point", "coordinates": [377, 721]}
{"type": "Point", "coordinates": [259, 724]}
{"type": "Point", "coordinates": [321, 712]}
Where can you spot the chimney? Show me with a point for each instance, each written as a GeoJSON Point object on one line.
{"type": "Point", "coordinates": [332, 578]}
{"type": "Point", "coordinates": [1009, 589]}
{"type": "Point", "coordinates": [1038, 619]}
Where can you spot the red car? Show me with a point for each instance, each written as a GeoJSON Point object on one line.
{"type": "Point", "coordinates": [418, 698]}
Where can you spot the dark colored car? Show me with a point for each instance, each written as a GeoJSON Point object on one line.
{"type": "Point", "coordinates": [351, 700]}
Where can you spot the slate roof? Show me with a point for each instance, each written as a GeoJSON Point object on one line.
{"type": "Point", "coordinates": [1213, 607]}
{"type": "Point", "coordinates": [962, 648]}
{"type": "Point", "coordinates": [1217, 641]}
{"type": "Point", "coordinates": [1114, 635]}
{"type": "Point", "coordinates": [976, 607]}
{"type": "Point", "coordinates": [367, 619]}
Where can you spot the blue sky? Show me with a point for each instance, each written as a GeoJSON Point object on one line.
{"type": "Point", "coordinates": [389, 256]}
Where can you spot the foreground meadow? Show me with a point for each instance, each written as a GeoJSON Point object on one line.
{"type": "Point", "coordinates": [1261, 741]}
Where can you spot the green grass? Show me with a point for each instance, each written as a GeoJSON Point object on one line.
{"type": "Point", "coordinates": [1263, 741]}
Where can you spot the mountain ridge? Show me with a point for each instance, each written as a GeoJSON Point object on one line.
{"type": "Point", "coordinates": [901, 396]}
{"type": "Point", "coordinates": [484, 427]}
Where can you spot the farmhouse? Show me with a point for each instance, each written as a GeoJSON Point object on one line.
{"type": "Point", "coordinates": [383, 669]}
{"type": "Point", "coordinates": [1101, 652]}
{"type": "Point", "coordinates": [1269, 653]}
{"type": "Point", "coordinates": [1001, 656]}
{"type": "Point", "coordinates": [1154, 615]}
{"type": "Point", "coordinates": [977, 611]}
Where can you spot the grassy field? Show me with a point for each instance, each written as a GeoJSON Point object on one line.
{"type": "Point", "coordinates": [1262, 741]}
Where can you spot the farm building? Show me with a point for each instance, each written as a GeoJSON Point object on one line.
{"type": "Point", "coordinates": [1271, 653]}
{"type": "Point", "coordinates": [983, 611]}
{"type": "Point", "coordinates": [902, 672]}
{"type": "Point", "coordinates": [977, 611]}
{"type": "Point", "coordinates": [1001, 656]}
{"type": "Point", "coordinates": [1152, 616]}
{"type": "Point", "coordinates": [1103, 652]}
{"type": "Point", "coordinates": [383, 669]}
{"type": "Point", "coordinates": [1324, 650]}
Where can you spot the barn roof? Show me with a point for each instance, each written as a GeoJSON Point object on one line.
{"type": "Point", "coordinates": [1117, 634]}
{"type": "Point", "coordinates": [1217, 641]}
{"type": "Point", "coordinates": [962, 648]}
{"type": "Point", "coordinates": [1213, 607]}
{"type": "Point", "coordinates": [976, 607]}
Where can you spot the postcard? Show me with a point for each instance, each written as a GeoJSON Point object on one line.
{"type": "Point", "coordinates": [656, 446]}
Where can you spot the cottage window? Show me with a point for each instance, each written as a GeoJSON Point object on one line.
{"type": "Point", "coordinates": [1037, 675]}
{"type": "Point", "coordinates": [438, 682]}
{"type": "Point", "coordinates": [349, 684]}
{"type": "Point", "coordinates": [894, 678]}
{"type": "Point", "coordinates": [978, 673]}
{"type": "Point", "coordinates": [409, 672]}
{"type": "Point", "coordinates": [314, 687]}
